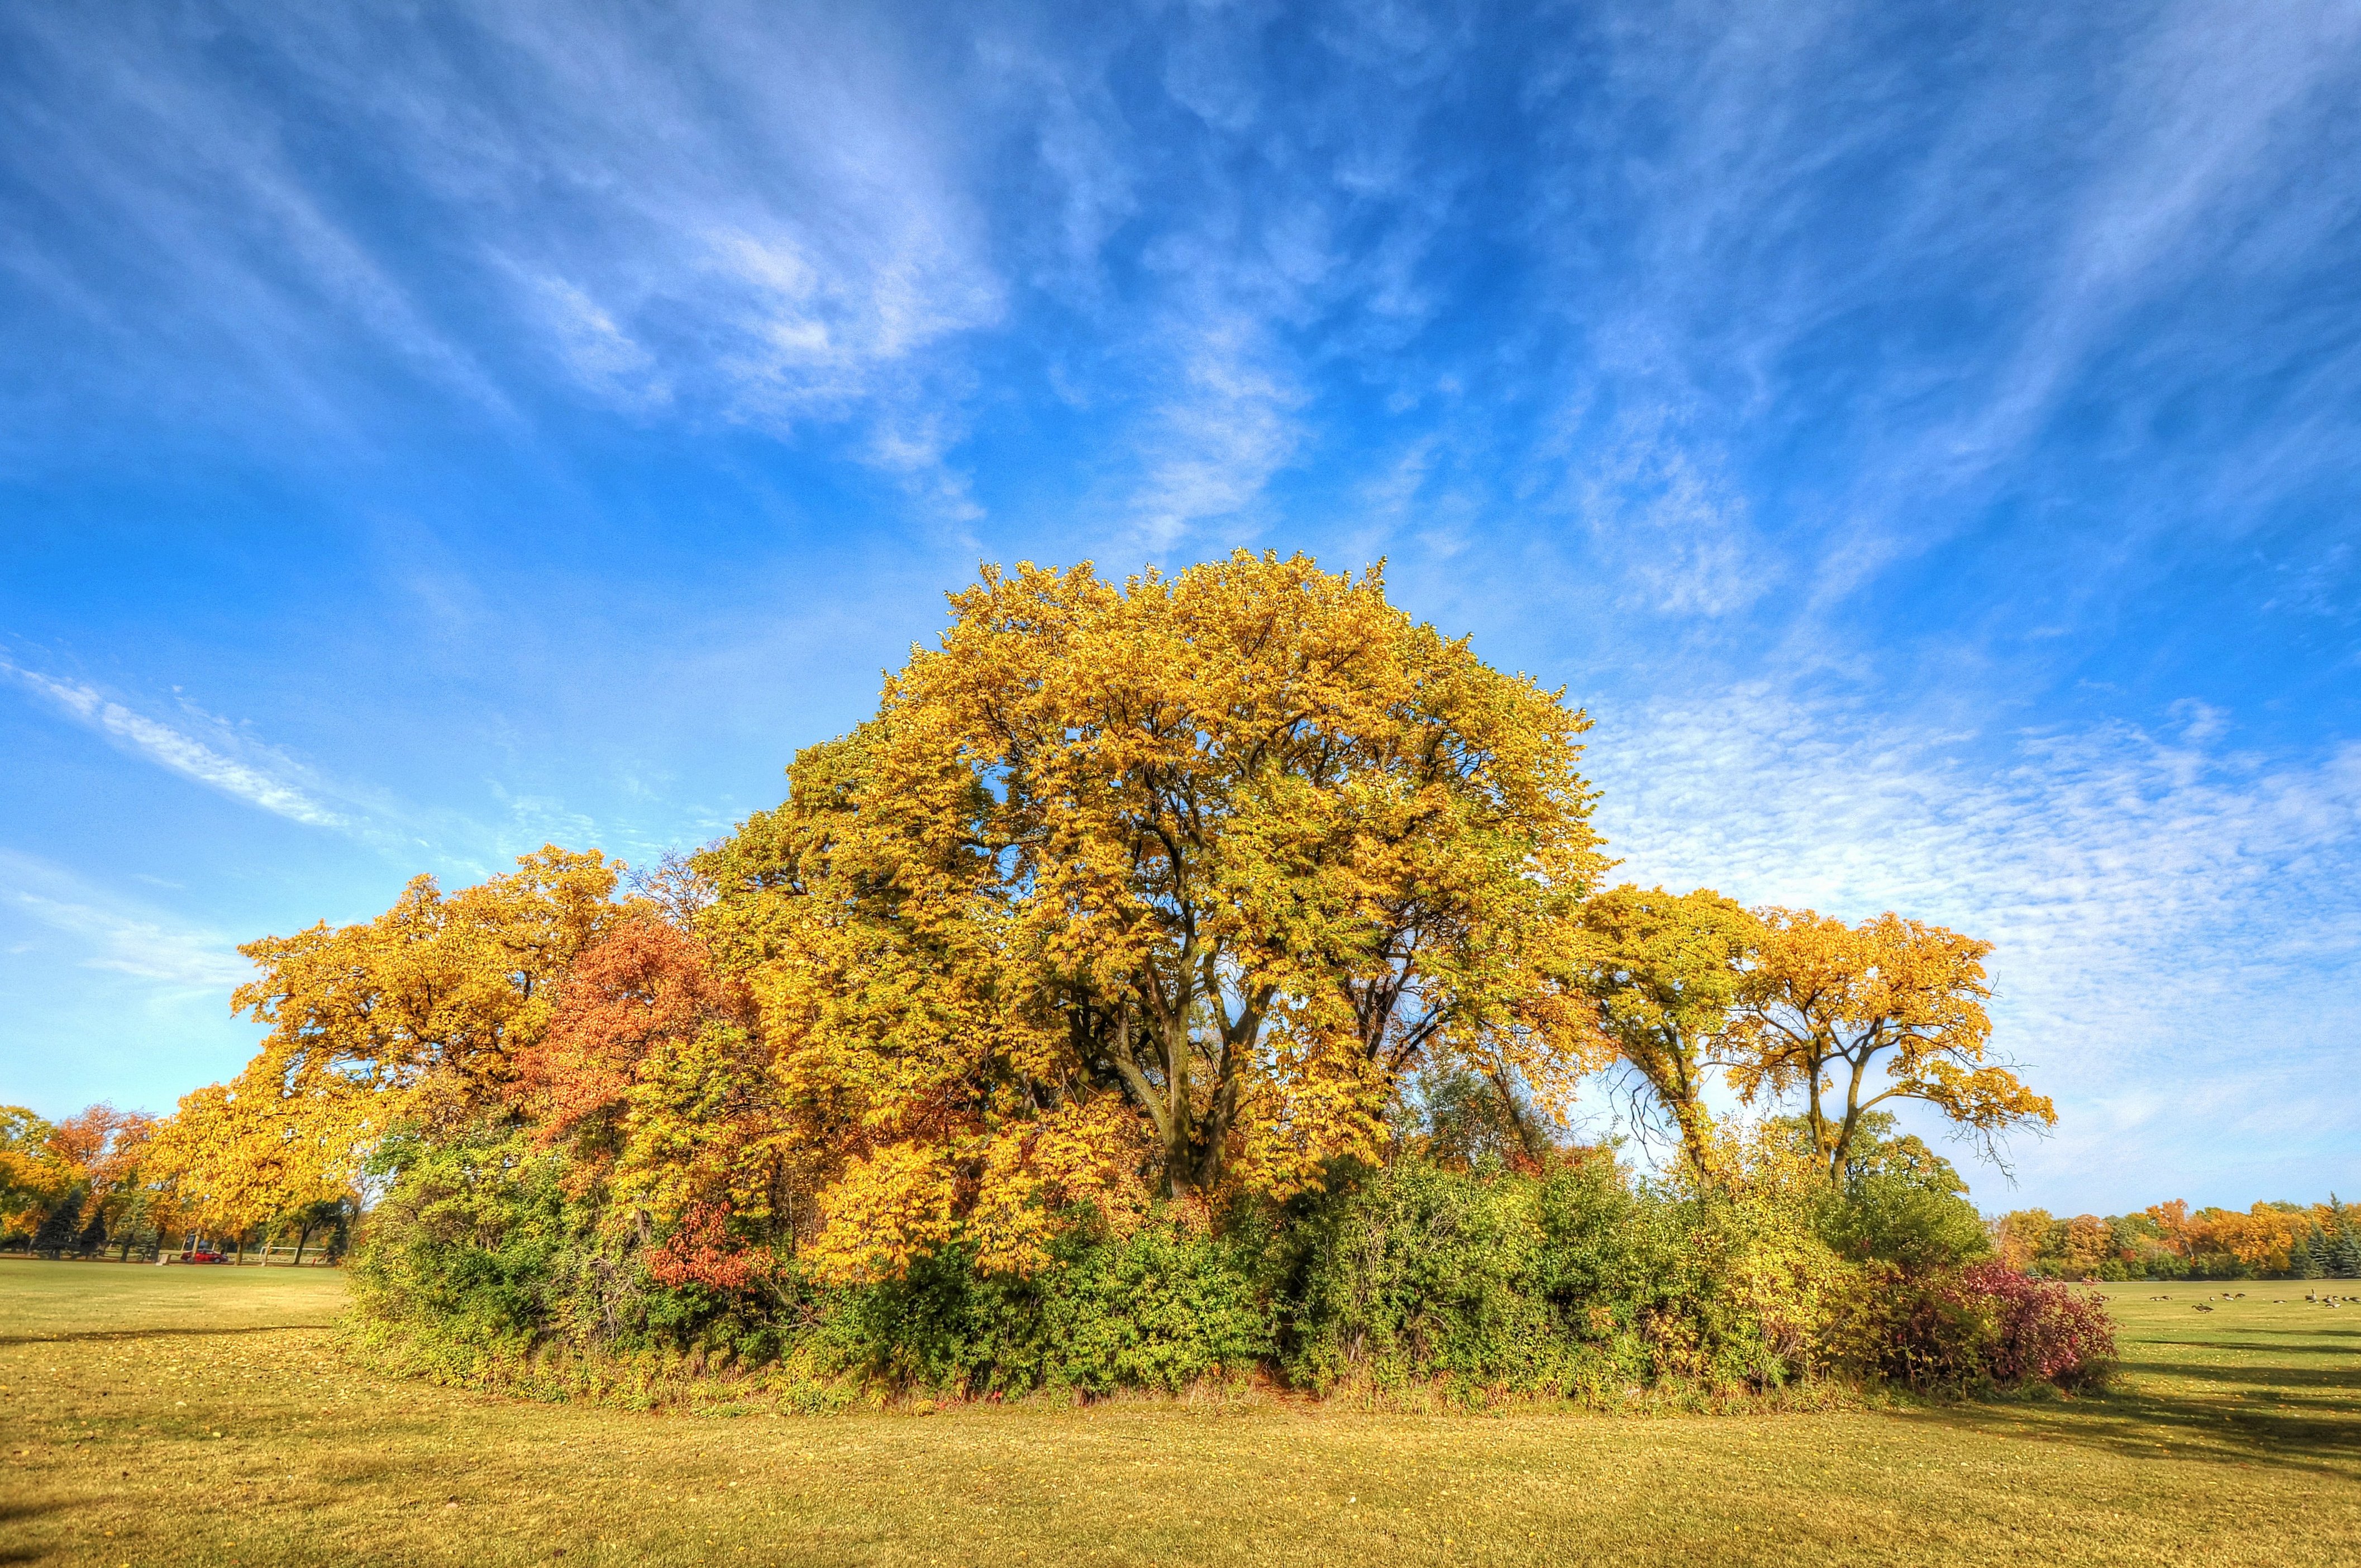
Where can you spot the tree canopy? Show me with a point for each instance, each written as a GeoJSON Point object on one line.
{"type": "Point", "coordinates": [1175, 893]}
{"type": "Point", "coordinates": [1667, 970]}
{"type": "Point", "coordinates": [1160, 887]}
{"type": "Point", "coordinates": [1824, 1002]}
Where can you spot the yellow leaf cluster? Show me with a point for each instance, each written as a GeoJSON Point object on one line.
{"type": "Point", "coordinates": [430, 1003]}
{"type": "Point", "coordinates": [1666, 970]}
{"type": "Point", "coordinates": [1157, 890]}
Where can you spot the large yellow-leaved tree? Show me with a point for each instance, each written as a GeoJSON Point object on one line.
{"type": "Point", "coordinates": [1160, 885]}
{"type": "Point", "coordinates": [421, 1014]}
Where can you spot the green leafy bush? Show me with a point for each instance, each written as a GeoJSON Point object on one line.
{"type": "Point", "coordinates": [1577, 1282]}
{"type": "Point", "coordinates": [1889, 1216]}
{"type": "Point", "coordinates": [1163, 1307]}
{"type": "Point", "coordinates": [1410, 1280]}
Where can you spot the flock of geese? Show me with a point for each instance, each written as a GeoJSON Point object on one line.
{"type": "Point", "coordinates": [2317, 1297]}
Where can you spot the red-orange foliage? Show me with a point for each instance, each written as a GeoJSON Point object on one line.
{"type": "Point", "coordinates": [702, 1251]}
{"type": "Point", "coordinates": [101, 1147]}
{"type": "Point", "coordinates": [653, 1077]}
{"type": "Point", "coordinates": [644, 984]}
{"type": "Point", "coordinates": [2265, 1237]}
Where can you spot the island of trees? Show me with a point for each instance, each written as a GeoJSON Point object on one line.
{"type": "Point", "coordinates": [1175, 981]}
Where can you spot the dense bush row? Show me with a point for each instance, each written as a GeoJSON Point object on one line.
{"type": "Point", "coordinates": [1411, 1281]}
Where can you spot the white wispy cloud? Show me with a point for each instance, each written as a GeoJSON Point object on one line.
{"type": "Point", "coordinates": [259, 783]}
{"type": "Point", "coordinates": [1674, 527]}
{"type": "Point", "coordinates": [766, 222]}
{"type": "Point", "coordinates": [602, 355]}
{"type": "Point", "coordinates": [1912, 268]}
{"type": "Point", "coordinates": [201, 196]}
{"type": "Point", "coordinates": [2192, 183]}
{"type": "Point", "coordinates": [120, 934]}
{"type": "Point", "coordinates": [1213, 446]}
{"type": "Point", "coordinates": [2190, 142]}
{"type": "Point", "coordinates": [2177, 923]}
{"type": "Point", "coordinates": [1302, 261]}
{"type": "Point", "coordinates": [2091, 852]}
{"type": "Point", "coordinates": [764, 218]}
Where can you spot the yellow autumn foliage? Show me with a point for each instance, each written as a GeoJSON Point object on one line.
{"type": "Point", "coordinates": [1824, 1002]}
{"type": "Point", "coordinates": [422, 1012]}
{"type": "Point", "coordinates": [1667, 970]}
{"type": "Point", "coordinates": [1157, 888]}
{"type": "Point", "coordinates": [1130, 893]}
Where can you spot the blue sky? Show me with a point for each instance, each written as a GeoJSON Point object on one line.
{"type": "Point", "coordinates": [1926, 438]}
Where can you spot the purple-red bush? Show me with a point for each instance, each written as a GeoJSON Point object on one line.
{"type": "Point", "coordinates": [2047, 1332]}
{"type": "Point", "coordinates": [1987, 1323]}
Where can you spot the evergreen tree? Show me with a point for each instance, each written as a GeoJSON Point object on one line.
{"type": "Point", "coordinates": [2340, 1253]}
{"type": "Point", "coordinates": [2307, 1259]}
{"type": "Point", "coordinates": [55, 1235]}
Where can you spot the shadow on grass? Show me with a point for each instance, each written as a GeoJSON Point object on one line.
{"type": "Point", "coordinates": [12, 1513]}
{"type": "Point", "coordinates": [2283, 1403]}
{"type": "Point", "coordinates": [85, 1334]}
{"type": "Point", "coordinates": [2347, 1377]}
{"type": "Point", "coordinates": [2283, 1347]}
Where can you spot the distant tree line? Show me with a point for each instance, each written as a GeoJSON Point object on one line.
{"type": "Point", "coordinates": [2166, 1241]}
{"type": "Point", "coordinates": [124, 1184]}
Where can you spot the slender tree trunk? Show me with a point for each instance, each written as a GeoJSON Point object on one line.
{"type": "Point", "coordinates": [1695, 1131]}
{"type": "Point", "coordinates": [1528, 1131]}
{"type": "Point", "coordinates": [300, 1237]}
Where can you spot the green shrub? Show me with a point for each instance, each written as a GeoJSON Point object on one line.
{"type": "Point", "coordinates": [1163, 1307]}
{"type": "Point", "coordinates": [1577, 1282]}
{"type": "Point", "coordinates": [1415, 1280]}
{"type": "Point", "coordinates": [1890, 1217]}
{"type": "Point", "coordinates": [479, 1246]}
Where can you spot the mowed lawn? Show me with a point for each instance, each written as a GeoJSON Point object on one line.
{"type": "Point", "coordinates": [204, 1416]}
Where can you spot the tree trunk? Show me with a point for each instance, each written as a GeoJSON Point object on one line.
{"type": "Point", "coordinates": [1696, 1137]}
{"type": "Point", "coordinates": [238, 1259]}
{"type": "Point", "coordinates": [300, 1237]}
{"type": "Point", "coordinates": [1520, 1121]}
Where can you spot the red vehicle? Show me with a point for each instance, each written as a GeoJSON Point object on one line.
{"type": "Point", "coordinates": [201, 1255]}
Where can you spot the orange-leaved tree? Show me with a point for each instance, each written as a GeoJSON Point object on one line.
{"type": "Point", "coordinates": [82, 1173]}
{"type": "Point", "coordinates": [238, 1158]}
{"type": "Point", "coordinates": [1159, 886]}
{"type": "Point", "coordinates": [652, 1076]}
{"type": "Point", "coordinates": [108, 1150]}
{"type": "Point", "coordinates": [418, 1017]}
{"type": "Point", "coordinates": [2265, 1238]}
{"type": "Point", "coordinates": [1825, 1002]}
{"type": "Point", "coordinates": [1667, 970]}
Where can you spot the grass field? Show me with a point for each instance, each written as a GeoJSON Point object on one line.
{"type": "Point", "coordinates": [203, 1416]}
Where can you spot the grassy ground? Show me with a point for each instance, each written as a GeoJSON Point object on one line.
{"type": "Point", "coordinates": [203, 1416]}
